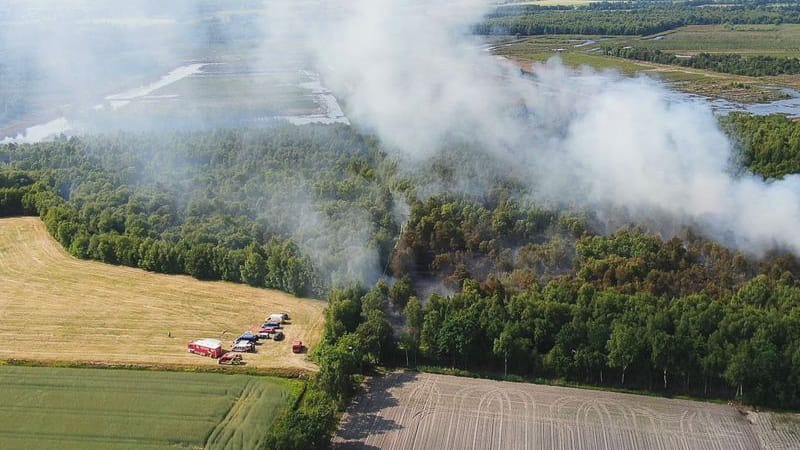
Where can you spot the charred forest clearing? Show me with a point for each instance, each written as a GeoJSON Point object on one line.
{"type": "Point", "coordinates": [411, 202]}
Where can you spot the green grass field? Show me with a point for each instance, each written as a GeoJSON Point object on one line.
{"type": "Point", "coordinates": [774, 40]}
{"type": "Point", "coordinates": [274, 92]}
{"type": "Point", "coordinates": [62, 408]}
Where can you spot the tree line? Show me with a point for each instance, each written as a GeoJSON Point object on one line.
{"type": "Point", "coordinates": [276, 264]}
{"type": "Point", "coordinates": [737, 64]}
{"type": "Point", "coordinates": [357, 336]}
{"type": "Point", "coordinates": [242, 206]}
{"type": "Point", "coordinates": [643, 20]}
{"type": "Point", "coordinates": [518, 9]}
{"type": "Point", "coordinates": [638, 312]}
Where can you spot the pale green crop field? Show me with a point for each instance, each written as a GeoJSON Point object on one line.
{"type": "Point", "coordinates": [66, 408]}
{"type": "Point", "coordinates": [773, 40]}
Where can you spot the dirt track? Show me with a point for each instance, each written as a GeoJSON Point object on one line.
{"type": "Point", "coordinates": [54, 307]}
{"type": "Point", "coordinates": [425, 411]}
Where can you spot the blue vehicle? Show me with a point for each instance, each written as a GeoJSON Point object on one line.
{"type": "Point", "coordinates": [247, 336]}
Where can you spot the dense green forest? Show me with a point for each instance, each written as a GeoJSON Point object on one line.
{"type": "Point", "coordinates": [489, 282]}
{"type": "Point", "coordinates": [752, 65]}
{"type": "Point", "coordinates": [770, 145]}
{"type": "Point", "coordinates": [641, 18]}
{"type": "Point", "coordinates": [230, 205]}
{"type": "Point", "coordinates": [638, 312]}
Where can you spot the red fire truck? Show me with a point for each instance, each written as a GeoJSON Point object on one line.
{"type": "Point", "coordinates": [206, 347]}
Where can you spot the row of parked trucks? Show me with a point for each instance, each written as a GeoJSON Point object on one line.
{"type": "Point", "coordinates": [246, 342]}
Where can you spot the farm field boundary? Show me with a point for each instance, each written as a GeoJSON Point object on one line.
{"type": "Point", "coordinates": [59, 310]}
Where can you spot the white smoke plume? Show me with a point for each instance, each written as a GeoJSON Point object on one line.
{"type": "Point", "coordinates": [410, 71]}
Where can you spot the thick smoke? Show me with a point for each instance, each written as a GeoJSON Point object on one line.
{"type": "Point", "coordinates": [65, 63]}
{"type": "Point", "coordinates": [86, 66]}
{"type": "Point", "coordinates": [409, 71]}
{"type": "Point", "coordinates": [68, 52]}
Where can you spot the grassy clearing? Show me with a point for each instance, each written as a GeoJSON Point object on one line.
{"type": "Point", "coordinates": [601, 62]}
{"type": "Point", "coordinates": [55, 308]}
{"type": "Point", "coordinates": [219, 97]}
{"type": "Point", "coordinates": [774, 40]}
{"type": "Point", "coordinates": [109, 409]}
{"type": "Point", "coordinates": [269, 93]}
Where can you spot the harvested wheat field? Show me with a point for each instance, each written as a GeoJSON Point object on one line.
{"type": "Point", "coordinates": [425, 411]}
{"type": "Point", "coordinates": [54, 307]}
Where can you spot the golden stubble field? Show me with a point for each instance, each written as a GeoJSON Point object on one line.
{"type": "Point", "coordinates": [54, 307]}
{"type": "Point", "coordinates": [427, 411]}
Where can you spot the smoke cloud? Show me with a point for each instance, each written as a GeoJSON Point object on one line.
{"type": "Point", "coordinates": [409, 71]}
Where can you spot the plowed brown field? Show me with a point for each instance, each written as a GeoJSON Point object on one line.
{"type": "Point", "coordinates": [54, 307]}
{"type": "Point", "coordinates": [437, 412]}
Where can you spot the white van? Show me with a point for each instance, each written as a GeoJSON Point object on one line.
{"type": "Point", "coordinates": [275, 318]}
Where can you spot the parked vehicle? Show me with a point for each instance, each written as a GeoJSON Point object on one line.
{"type": "Point", "coordinates": [271, 323]}
{"type": "Point", "coordinates": [275, 318]}
{"type": "Point", "coordinates": [269, 329]}
{"type": "Point", "coordinates": [270, 333]}
{"type": "Point", "coordinates": [265, 334]}
{"type": "Point", "coordinates": [247, 336]}
{"type": "Point", "coordinates": [244, 346]}
{"type": "Point", "coordinates": [231, 359]}
{"type": "Point", "coordinates": [206, 347]}
{"type": "Point", "coordinates": [297, 347]}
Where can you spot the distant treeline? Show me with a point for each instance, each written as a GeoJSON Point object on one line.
{"type": "Point", "coordinates": [636, 21]}
{"type": "Point", "coordinates": [511, 9]}
{"type": "Point", "coordinates": [737, 64]}
{"type": "Point", "coordinates": [770, 145]}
